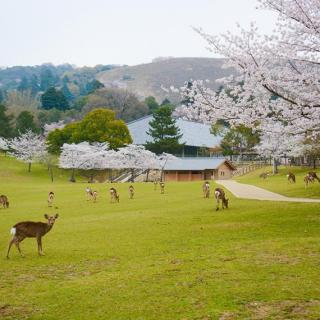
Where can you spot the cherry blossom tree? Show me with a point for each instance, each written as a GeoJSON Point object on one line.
{"type": "Point", "coordinates": [4, 146]}
{"type": "Point", "coordinates": [29, 147]}
{"type": "Point", "coordinates": [47, 128]}
{"type": "Point", "coordinates": [276, 78]}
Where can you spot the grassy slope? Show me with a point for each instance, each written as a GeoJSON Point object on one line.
{"type": "Point", "coordinates": [158, 256]}
{"type": "Point", "coordinates": [279, 183]}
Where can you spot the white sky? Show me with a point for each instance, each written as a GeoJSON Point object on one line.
{"type": "Point", "coordinates": [90, 32]}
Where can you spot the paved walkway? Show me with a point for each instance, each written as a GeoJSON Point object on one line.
{"type": "Point", "coordinates": [247, 191]}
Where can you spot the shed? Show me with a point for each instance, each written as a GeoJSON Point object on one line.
{"type": "Point", "coordinates": [191, 169]}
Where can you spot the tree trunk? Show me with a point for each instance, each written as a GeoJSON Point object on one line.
{"type": "Point", "coordinates": [72, 178]}
{"type": "Point", "coordinates": [274, 166]}
{"type": "Point", "coordinates": [132, 175]}
{"type": "Point", "coordinates": [51, 173]}
{"type": "Point", "coordinates": [91, 177]}
{"type": "Point", "coordinates": [29, 167]}
{"type": "Point", "coordinates": [147, 178]}
{"type": "Point", "coordinates": [314, 163]}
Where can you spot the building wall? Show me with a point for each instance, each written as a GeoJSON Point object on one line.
{"type": "Point", "coordinates": [223, 172]}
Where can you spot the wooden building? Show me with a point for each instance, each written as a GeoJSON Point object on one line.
{"type": "Point", "coordinates": [192, 169]}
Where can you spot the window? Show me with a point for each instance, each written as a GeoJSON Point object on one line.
{"type": "Point", "coordinates": [222, 173]}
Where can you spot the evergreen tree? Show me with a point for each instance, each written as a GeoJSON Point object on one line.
{"type": "Point", "coordinates": [93, 86]}
{"type": "Point", "coordinates": [34, 85]}
{"type": "Point", "coordinates": [1, 96]}
{"type": "Point", "coordinates": [6, 130]}
{"type": "Point", "coordinates": [25, 122]}
{"type": "Point", "coordinates": [152, 103]}
{"type": "Point", "coordinates": [53, 98]}
{"type": "Point", "coordinates": [24, 84]}
{"type": "Point", "coordinates": [47, 79]}
{"type": "Point", "coordinates": [66, 92]}
{"type": "Point", "coordinates": [164, 131]}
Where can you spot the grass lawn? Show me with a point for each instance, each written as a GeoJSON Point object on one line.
{"type": "Point", "coordinates": [158, 256]}
{"type": "Point", "coordinates": [279, 182]}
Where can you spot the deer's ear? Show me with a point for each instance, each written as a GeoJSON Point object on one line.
{"type": "Point", "coordinates": [56, 216]}
{"type": "Point", "coordinates": [46, 216]}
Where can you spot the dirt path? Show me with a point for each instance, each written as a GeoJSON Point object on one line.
{"type": "Point", "coordinates": [247, 191]}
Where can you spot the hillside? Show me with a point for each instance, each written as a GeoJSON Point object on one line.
{"type": "Point", "coordinates": [147, 79]}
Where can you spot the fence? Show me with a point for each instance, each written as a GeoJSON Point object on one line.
{"type": "Point", "coordinates": [244, 168]}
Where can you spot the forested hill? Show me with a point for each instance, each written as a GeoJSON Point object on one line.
{"type": "Point", "coordinates": [152, 79]}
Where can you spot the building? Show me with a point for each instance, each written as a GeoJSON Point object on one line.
{"type": "Point", "coordinates": [197, 137]}
{"type": "Point", "coordinates": [191, 169]}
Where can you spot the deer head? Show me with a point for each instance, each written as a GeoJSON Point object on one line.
{"type": "Point", "coordinates": [51, 219]}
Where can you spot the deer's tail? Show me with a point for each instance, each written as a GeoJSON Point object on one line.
{"type": "Point", "coordinates": [13, 231]}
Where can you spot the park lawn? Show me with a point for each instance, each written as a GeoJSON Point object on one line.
{"type": "Point", "coordinates": [158, 256]}
{"type": "Point", "coordinates": [279, 183]}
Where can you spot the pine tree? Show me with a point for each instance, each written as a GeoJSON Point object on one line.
{"type": "Point", "coordinates": [25, 122]}
{"type": "Point", "coordinates": [24, 84]}
{"type": "Point", "coordinates": [66, 92]}
{"type": "Point", "coordinates": [165, 133]}
{"type": "Point", "coordinates": [6, 130]}
{"type": "Point", "coordinates": [53, 98]}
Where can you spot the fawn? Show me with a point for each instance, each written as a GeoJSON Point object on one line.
{"type": "Point", "coordinates": [291, 177]}
{"type": "Point", "coordinates": [220, 195]}
{"type": "Point", "coordinates": [30, 229]}
{"type": "Point", "coordinates": [50, 198]}
{"type": "Point", "coordinates": [114, 196]}
{"type": "Point", "coordinates": [131, 192]}
{"type": "Point", "coordinates": [4, 201]}
{"type": "Point", "coordinates": [206, 189]}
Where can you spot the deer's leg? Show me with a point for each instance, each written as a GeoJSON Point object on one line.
{"type": "Point", "coordinates": [217, 208]}
{"type": "Point", "coordinates": [17, 243]}
{"type": "Point", "coordinates": [10, 245]}
{"type": "Point", "coordinates": [39, 241]}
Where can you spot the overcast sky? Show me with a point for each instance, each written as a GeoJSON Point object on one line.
{"type": "Point", "coordinates": [90, 32]}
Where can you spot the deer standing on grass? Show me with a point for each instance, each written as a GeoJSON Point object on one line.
{"type": "Point", "coordinates": [264, 175]}
{"type": "Point", "coordinates": [162, 187]}
{"type": "Point", "coordinates": [4, 201]}
{"type": "Point", "coordinates": [50, 198]}
{"type": "Point", "coordinates": [307, 180]}
{"type": "Point", "coordinates": [29, 229]}
{"type": "Point", "coordinates": [220, 195]}
{"type": "Point", "coordinates": [114, 196]}
{"type": "Point", "coordinates": [313, 175]}
{"type": "Point", "coordinates": [206, 189]}
{"type": "Point", "coordinates": [131, 192]}
{"type": "Point", "coordinates": [291, 177]}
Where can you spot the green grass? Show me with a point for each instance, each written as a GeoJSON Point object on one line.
{"type": "Point", "coordinates": [279, 182]}
{"type": "Point", "coordinates": [158, 256]}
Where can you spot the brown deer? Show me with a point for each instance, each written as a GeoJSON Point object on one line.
{"type": "Point", "coordinates": [50, 198]}
{"type": "Point", "coordinates": [264, 175]}
{"type": "Point", "coordinates": [313, 175]}
{"type": "Point", "coordinates": [291, 177]}
{"type": "Point", "coordinates": [220, 195]}
{"type": "Point", "coordinates": [131, 192]}
{"type": "Point", "coordinates": [29, 229]}
{"type": "Point", "coordinates": [162, 187]}
{"type": "Point", "coordinates": [4, 201]}
{"type": "Point", "coordinates": [206, 190]}
{"type": "Point", "coordinates": [307, 180]}
{"type": "Point", "coordinates": [114, 196]}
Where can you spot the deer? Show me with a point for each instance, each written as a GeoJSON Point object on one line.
{"type": "Point", "coordinates": [114, 196]}
{"type": "Point", "coordinates": [264, 175]}
{"type": "Point", "coordinates": [50, 198]}
{"type": "Point", "coordinates": [91, 195]}
{"type": "Point", "coordinates": [206, 189]}
{"type": "Point", "coordinates": [30, 229]}
{"type": "Point", "coordinates": [131, 192]}
{"type": "Point", "coordinates": [307, 180]}
{"type": "Point", "coordinates": [313, 175]}
{"type": "Point", "coordinates": [291, 177]}
{"type": "Point", "coordinates": [162, 187]}
{"type": "Point", "coordinates": [4, 201]}
{"type": "Point", "coordinates": [220, 195]}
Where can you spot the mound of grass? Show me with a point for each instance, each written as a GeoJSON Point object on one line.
{"type": "Point", "coordinates": [157, 256]}
{"type": "Point", "coordinates": [279, 182]}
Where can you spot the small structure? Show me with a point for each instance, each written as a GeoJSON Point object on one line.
{"type": "Point", "coordinates": [197, 137]}
{"type": "Point", "coordinates": [192, 169]}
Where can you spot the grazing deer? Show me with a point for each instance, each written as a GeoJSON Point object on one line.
{"type": "Point", "coordinates": [4, 201]}
{"type": "Point", "coordinates": [91, 195]}
{"type": "Point", "coordinates": [307, 180]}
{"type": "Point", "coordinates": [264, 175]}
{"type": "Point", "coordinates": [291, 177]}
{"type": "Point", "coordinates": [29, 229]}
{"type": "Point", "coordinates": [50, 198]}
{"type": "Point", "coordinates": [131, 192]}
{"type": "Point", "coordinates": [162, 187]}
{"type": "Point", "coordinates": [313, 175]}
{"type": "Point", "coordinates": [220, 195]}
{"type": "Point", "coordinates": [206, 189]}
{"type": "Point", "coordinates": [114, 196]}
